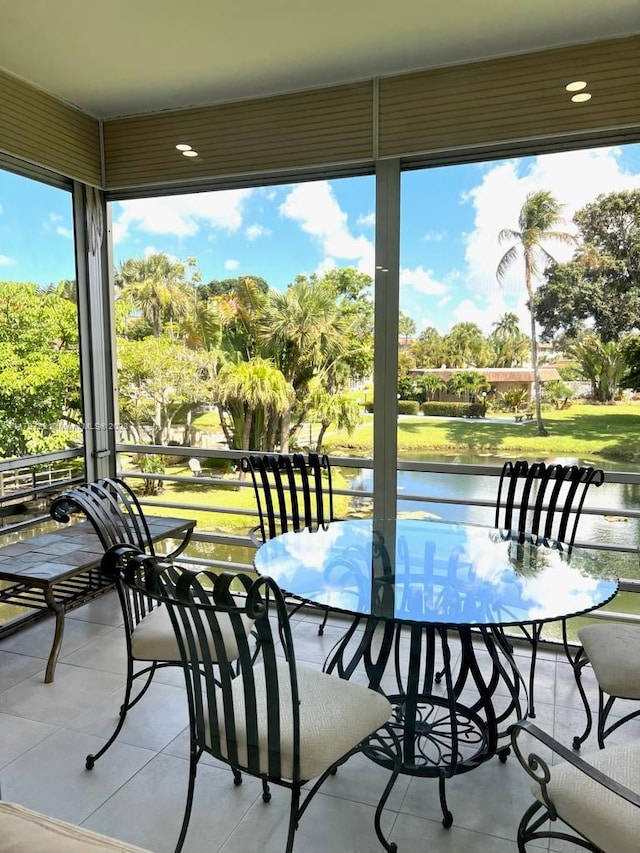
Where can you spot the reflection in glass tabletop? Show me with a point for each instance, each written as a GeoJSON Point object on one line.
{"type": "Point", "coordinates": [429, 571]}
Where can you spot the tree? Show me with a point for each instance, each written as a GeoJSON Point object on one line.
{"type": "Point", "coordinates": [157, 287]}
{"type": "Point", "coordinates": [539, 215]}
{"type": "Point", "coordinates": [468, 382]}
{"type": "Point", "coordinates": [602, 363]}
{"type": "Point", "coordinates": [428, 348]}
{"type": "Point", "coordinates": [305, 334]}
{"type": "Point", "coordinates": [157, 379]}
{"type": "Point", "coordinates": [339, 409]}
{"type": "Point", "coordinates": [465, 346]}
{"type": "Point", "coordinates": [39, 369]}
{"type": "Point", "coordinates": [508, 344]}
{"type": "Point", "coordinates": [253, 392]}
{"type": "Point", "coordinates": [600, 287]}
{"type": "Point", "coordinates": [406, 327]}
{"type": "Point", "coordinates": [431, 383]}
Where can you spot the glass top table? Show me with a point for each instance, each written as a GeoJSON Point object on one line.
{"type": "Point", "coordinates": [428, 603]}
{"type": "Point", "coordinates": [448, 574]}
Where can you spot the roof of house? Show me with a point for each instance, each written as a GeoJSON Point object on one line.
{"type": "Point", "coordinates": [492, 374]}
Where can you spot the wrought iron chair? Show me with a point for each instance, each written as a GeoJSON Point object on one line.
{"type": "Point", "coordinates": [543, 503]}
{"type": "Point", "coordinates": [292, 492]}
{"type": "Point", "coordinates": [613, 650]}
{"type": "Point", "coordinates": [596, 795]}
{"type": "Point", "coordinates": [116, 515]}
{"type": "Point", "coordinates": [275, 720]}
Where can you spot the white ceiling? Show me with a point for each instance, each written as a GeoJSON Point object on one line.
{"type": "Point", "coordinates": [118, 57]}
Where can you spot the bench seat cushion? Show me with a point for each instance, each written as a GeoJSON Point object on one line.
{"type": "Point", "coordinates": [614, 651]}
{"type": "Point", "coordinates": [26, 831]}
{"type": "Point", "coordinates": [608, 821]}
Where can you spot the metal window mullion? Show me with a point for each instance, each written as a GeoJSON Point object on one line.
{"type": "Point", "coordinates": [95, 327]}
{"type": "Point", "coordinates": [387, 301]}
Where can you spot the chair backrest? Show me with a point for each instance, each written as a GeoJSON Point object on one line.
{"type": "Point", "coordinates": [113, 510]}
{"type": "Point", "coordinates": [292, 491]}
{"type": "Point", "coordinates": [243, 710]}
{"type": "Point", "coordinates": [544, 501]}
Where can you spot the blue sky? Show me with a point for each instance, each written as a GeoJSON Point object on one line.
{"type": "Point", "coordinates": [450, 216]}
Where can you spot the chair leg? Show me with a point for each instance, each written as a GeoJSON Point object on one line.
{"type": "Point", "coordinates": [124, 708]}
{"type": "Point", "coordinates": [323, 623]}
{"type": "Point", "coordinates": [293, 817]}
{"type": "Point", "coordinates": [193, 767]}
{"type": "Point", "coordinates": [578, 663]}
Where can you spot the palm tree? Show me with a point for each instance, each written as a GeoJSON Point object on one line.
{"type": "Point", "coordinates": [509, 344]}
{"type": "Point", "coordinates": [538, 217]}
{"type": "Point", "coordinates": [252, 391]}
{"type": "Point", "coordinates": [306, 334]}
{"type": "Point", "coordinates": [157, 287]}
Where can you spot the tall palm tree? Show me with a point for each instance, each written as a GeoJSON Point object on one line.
{"type": "Point", "coordinates": [539, 216]}
{"type": "Point", "coordinates": [156, 286]}
{"type": "Point", "coordinates": [305, 333]}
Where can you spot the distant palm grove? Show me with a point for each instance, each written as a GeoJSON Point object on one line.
{"type": "Point", "coordinates": [271, 361]}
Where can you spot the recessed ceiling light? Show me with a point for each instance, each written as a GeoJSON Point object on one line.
{"type": "Point", "coordinates": [576, 86]}
{"type": "Point", "coordinates": [183, 147]}
{"type": "Point", "coordinates": [195, 153]}
{"type": "Point", "coordinates": [581, 98]}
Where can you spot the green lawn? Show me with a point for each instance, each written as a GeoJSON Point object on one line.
{"type": "Point", "coordinates": [588, 431]}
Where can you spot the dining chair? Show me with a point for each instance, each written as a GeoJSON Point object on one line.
{"type": "Point", "coordinates": [292, 491]}
{"type": "Point", "coordinates": [613, 650]}
{"type": "Point", "coordinates": [280, 722]}
{"type": "Point", "coordinates": [117, 517]}
{"type": "Point", "coordinates": [542, 503]}
{"type": "Point", "coordinates": [591, 800]}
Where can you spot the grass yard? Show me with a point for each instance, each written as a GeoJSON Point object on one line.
{"type": "Point", "coordinates": [589, 431]}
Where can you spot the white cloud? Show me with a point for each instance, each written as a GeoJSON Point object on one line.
{"type": "Point", "coordinates": [315, 208]}
{"type": "Point", "coordinates": [55, 217]}
{"type": "Point", "coordinates": [6, 261]}
{"type": "Point", "coordinates": [254, 231]}
{"type": "Point", "coordinates": [231, 264]}
{"type": "Point", "coordinates": [1, 209]}
{"type": "Point", "coordinates": [366, 220]}
{"type": "Point", "coordinates": [434, 236]}
{"type": "Point", "coordinates": [181, 215]}
{"type": "Point", "coordinates": [64, 232]}
{"type": "Point", "coordinates": [423, 281]}
{"type": "Point", "coordinates": [574, 179]}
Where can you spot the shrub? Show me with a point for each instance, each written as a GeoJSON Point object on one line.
{"type": "Point", "coordinates": [408, 407]}
{"type": "Point", "coordinates": [454, 410]}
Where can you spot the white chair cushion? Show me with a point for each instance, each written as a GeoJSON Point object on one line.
{"type": "Point", "coordinates": [26, 831]}
{"type": "Point", "coordinates": [335, 715]}
{"type": "Point", "coordinates": [155, 639]}
{"type": "Point", "coordinates": [607, 820]}
{"type": "Point", "coordinates": [614, 652]}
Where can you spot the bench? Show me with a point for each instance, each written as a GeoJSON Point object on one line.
{"type": "Point", "coordinates": [528, 416]}
{"type": "Point", "coordinates": [59, 571]}
{"type": "Point", "coordinates": [25, 831]}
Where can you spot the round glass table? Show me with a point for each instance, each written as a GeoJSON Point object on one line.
{"type": "Point", "coordinates": [429, 602]}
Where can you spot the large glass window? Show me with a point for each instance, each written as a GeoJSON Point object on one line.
{"type": "Point", "coordinates": [40, 406]}
{"type": "Point", "coordinates": [481, 246]}
{"type": "Point", "coordinates": [244, 320]}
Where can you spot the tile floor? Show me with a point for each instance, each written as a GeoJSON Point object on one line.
{"type": "Point", "coordinates": [136, 790]}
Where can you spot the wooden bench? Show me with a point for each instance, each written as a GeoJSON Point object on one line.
{"type": "Point", "coordinates": [59, 571]}
{"type": "Point", "coordinates": [528, 416]}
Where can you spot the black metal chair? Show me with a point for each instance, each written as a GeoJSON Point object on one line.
{"type": "Point", "coordinates": [542, 503]}
{"type": "Point", "coordinates": [613, 650]}
{"type": "Point", "coordinates": [292, 491]}
{"type": "Point", "coordinates": [596, 795]}
{"type": "Point", "coordinates": [116, 515]}
{"type": "Point", "coordinates": [275, 720]}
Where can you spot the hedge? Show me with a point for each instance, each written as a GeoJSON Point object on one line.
{"type": "Point", "coordinates": [454, 410]}
{"type": "Point", "coordinates": [408, 407]}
